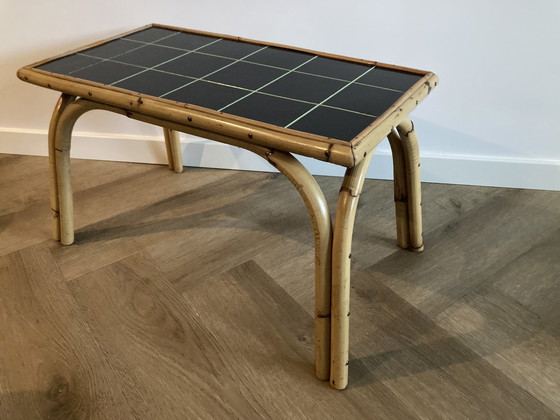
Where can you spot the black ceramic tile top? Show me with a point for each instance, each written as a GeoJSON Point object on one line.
{"type": "Point", "coordinates": [113, 48]}
{"type": "Point", "coordinates": [107, 72]}
{"type": "Point", "coordinates": [149, 55]}
{"type": "Point", "coordinates": [292, 89]}
{"type": "Point", "coordinates": [333, 123]}
{"type": "Point", "coordinates": [390, 79]}
{"type": "Point", "coordinates": [69, 64]}
{"type": "Point", "coordinates": [305, 87]}
{"type": "Point", "coordinates": [279, 58]}
{"type": "Point", "coordinates": [366, 99]}
{"type": "Point", "coordinates": [246, 75]}
{"type": "Point", "coordinates": [334, 68]}
{"type": "Point", "coordinates": [195, 65]}
{"type": "Point", "coordinates": [151, 34]}
{"type": "Point", "coordinates": [206, 94]}
{"type": "Point", "coordinates": [186, 41]}
{"type": "Point", "coordinates": [231, 49]}
{"type": "Point", "coordinates": [269, 109]}
{"type": "Point", "coordinates": [155, 83]}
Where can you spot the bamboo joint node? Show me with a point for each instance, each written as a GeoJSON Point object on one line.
{"type": "Point", "coordinates": [411, 129]}
{"type": "Point", "coordinates": [353, 191]}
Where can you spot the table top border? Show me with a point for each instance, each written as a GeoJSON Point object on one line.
{"type": "Point", "coordinates": [345, 153]}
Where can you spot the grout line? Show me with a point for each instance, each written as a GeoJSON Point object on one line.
{"type": "Point", "coordinates": [229, 58]}
{"type": "Point", "coordinates": [118, 55]}
{"type": "Point", "coordinates": [215, 71]}
{"type": "Point", "coordinates": [270, 66]}
{"type": "Point", "coordinates": [326, 99]}
{"type": "Point", "coordinates": [192, 79]}
{"type": "Point", "coordinates": [165, 62]}
{"type": "Point", "coordinates": [265, 85]}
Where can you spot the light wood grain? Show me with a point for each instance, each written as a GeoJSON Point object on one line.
{"type": "Point", "coordinates": [419, 361]}
{"type": "Point", "coordinates": [25, 211]}
{"type": "Point", "coordinates": [133, 309]}
{"type": "Point", "coordinates": [467, 252]}
{"type": "Point", "coordinates": [512, 322]}
{"type": "Point", "coordinates": [130, 325]}
{"type": "Point", "coordinates": [373, 241]}
{"type": "Point", "coordinates": [55, 367]}
{"type": "Point", "coordinates": [266, 339]}
{"type": "Point", "coordinates": [532, 279]}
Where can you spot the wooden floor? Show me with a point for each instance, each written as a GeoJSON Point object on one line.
{"type": "Point", "coordinates": [190, 296]}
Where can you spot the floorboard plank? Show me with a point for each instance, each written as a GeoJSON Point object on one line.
{"type": "Point", "coordinates": [137, 314]}
{"type": "Point", "coordinates": [468, 251]}
{"type": "Point", "coordinates": [56, 369]}
{"type": "Point", "coordinates": [512, 339]}
{"type": "Point", "coordinates": [119, 219]}
{"type": "Point", "coordinates": [533, 279]}
{"type": "Point", "coordinates": [429, 368]}
{"type": "Point", "coordinates": [25, 213]}
{"type": "Point", "coordinates": [375, 231]}
{"type": "Point", "coordinates": [267, 345]}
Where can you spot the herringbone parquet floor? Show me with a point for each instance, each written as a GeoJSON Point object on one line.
{"type": "Point", "coordinates": [190, 296]}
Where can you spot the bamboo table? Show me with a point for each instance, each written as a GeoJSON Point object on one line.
{"type": "Point", "coordinates": [270, 99]}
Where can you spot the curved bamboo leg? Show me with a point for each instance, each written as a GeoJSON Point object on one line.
{"type": "Point", "coordinates": [62, 143]}
{"type": "Point", "coordinates": [60, 106]}
{"type": "Point", "coordinates": [320, 217]}
{"type": "Point", "coordinates": [401, 189]}
{"type": "Point", "coordinates": [412, 167]}
{"type": "Point", "coordinates": [341, 256]}
{"type": "Point", "coordinates": [173, 147]}
{"type": "Point", "coordinates": [168, 149]}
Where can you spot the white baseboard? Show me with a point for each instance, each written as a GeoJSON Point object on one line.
{"type": "Point", "coordinates": [447, 169]}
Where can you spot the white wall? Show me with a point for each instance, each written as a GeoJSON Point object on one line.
{"type": "Point", "coordinates": [491, 121]}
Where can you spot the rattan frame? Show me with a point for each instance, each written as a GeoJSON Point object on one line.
{"type": "Point", "coordinates": [276, 145]}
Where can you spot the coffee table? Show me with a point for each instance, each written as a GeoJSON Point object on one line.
{"type": "Point", "coordinates": [270, 99]}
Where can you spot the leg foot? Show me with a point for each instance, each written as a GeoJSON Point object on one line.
{"type": "Point", "coordinates": [173, 147]}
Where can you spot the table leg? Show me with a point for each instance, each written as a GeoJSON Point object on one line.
{"type": "Point", "coordinates": [61, 105]}
{"type": "Point", "coordinates": [342, 244]}
{"type": "Point", "coordinates": [168, 150]}
{"type": "Point", "coordinates": [406, 164]}
{"type": "Point", "coordinates": [62, 139]}
{"type": "Point", "coordinates": [400, 185]}
{"type": "Point", "coordinates": [409, 143]}
{"type": "Point", "coordinates": [320, 217]}
{"type": "Point", "coordinates": [173, 147]}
